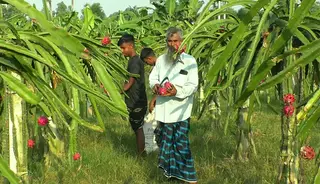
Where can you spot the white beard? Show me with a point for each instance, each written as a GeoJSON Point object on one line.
{"type": "Point", "coordinates": [171, 51]}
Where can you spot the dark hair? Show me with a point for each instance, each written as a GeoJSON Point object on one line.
{"type": "Point", "coordinates": [126, 38]}
{"type": "Point", "coordinates": [146, 52]}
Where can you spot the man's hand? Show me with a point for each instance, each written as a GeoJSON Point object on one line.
{"type": "Point", "coordinates": [156, 88]}
{"type": "Point", "coordinates": [152, 104]}
{"type": "Point", "coordinates": [172, 91]}
{"type": "Point", "coordinates": [128, 85]}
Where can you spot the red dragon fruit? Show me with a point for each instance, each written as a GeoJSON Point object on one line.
{"type": "Point", "coordinates": [43, 121]}
{"type": "Point", "coordinates": [162, 91]}
{"type": "Point", "coordinates": [167, 85]}
{"type": "Point", "coordinates": [105, 41]}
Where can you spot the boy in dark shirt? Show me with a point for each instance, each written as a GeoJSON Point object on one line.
{"type": "Point", "coordinates": [136, 99]}
{"type": "Point", "coordinates": [149, 57]}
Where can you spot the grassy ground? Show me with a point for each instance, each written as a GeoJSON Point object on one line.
{"type": "Point", "coordinates": [110, 157]}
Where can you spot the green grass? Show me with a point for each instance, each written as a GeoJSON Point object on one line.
{"type": "Point", "coordinates": [110, 157]}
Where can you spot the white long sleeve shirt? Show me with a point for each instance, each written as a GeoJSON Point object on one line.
{"type": "Point", "coordinates": [183, 74]}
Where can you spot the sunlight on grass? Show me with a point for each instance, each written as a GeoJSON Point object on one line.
{"type": "Point", "coordinates": [110, 157]}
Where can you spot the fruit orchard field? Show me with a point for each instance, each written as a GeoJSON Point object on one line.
{"type": "Point", "coordinates": [110, 157]}
{"type": "Point", "coordinates": [256, 112]}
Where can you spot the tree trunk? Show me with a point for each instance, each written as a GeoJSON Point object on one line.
{"type": "Point", "coordinates": [289, 167]}
{"type": "Point", "coordinates": [72, 4]}
{"type": "Point", "coordinates": [245, 144]}
{"type": "Point", "coordinates": [290, 160]}
{"type": "Point", "coordinates": [12, 158]}
{"type": "Point", "coordinates": [49, 4]}
{"type": "Point", "coordinates": [17, 135]}
{"type": "Point", "coordinates": [215, 112]}
{"type": "Point", "coordinates": [317, 176]}
{"type": "Point", "coordinates": [74, 125]}
{"type": "Point", "coordinates": [5, 134]}
{"type": "Point", "coordinates": [55, 140]}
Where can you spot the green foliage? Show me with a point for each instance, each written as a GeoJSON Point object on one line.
{"type": "Point", "coordinates": [9, 11]}
{"type": "Point", "coordinates": [264, 48]}
{"type": "Point", "coordinates": [62, 10]}
{"type": "Point", "coordinates": [22, 90]}
{"type": "Point", "coordinates": [6, 172]}
{"type": "Point", "coordinates": [97, 10]}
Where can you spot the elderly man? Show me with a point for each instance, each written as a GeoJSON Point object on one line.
{"type": "Point", "coordinates": [179, 72]}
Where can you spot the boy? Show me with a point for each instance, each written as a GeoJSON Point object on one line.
{"type": "Point", "coordinates": [148, 56]}
{"type": "Point", "coordinates": [136, 99]}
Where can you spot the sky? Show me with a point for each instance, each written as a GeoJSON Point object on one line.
{"type": "Point", "coordinates": [109, 6]}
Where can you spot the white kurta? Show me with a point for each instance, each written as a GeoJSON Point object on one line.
{"type": "Point", "coordinates": [183, 74]}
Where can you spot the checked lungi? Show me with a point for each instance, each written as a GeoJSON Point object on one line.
{"type": "Point", "coordinates": [175, 155]}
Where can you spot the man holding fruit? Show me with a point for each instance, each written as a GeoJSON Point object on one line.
{"type": "Point", "coordinates": [175, 80]}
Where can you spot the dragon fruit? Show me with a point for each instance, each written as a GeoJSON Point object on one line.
{"type": "Point", "coordinates": [31, 143]}
{"type": "Point", "coordinates": [43, 121]}
{"type": "Point", "coordinates": [105, 41]}
{"type": "Point", "coordinates": [183, 49]}
{"type": "Point", "coordinates": [164, 88]}
{"type": "Point", "coordinates": [162, 91]}
{"type": "Point", "coordinates": [289, 98]}
{"type": "Point", "coordinates": [167, 85]}
{"type": "Point", "coordinates": [307, 152]}
{"type": "Point", "coordinates": [288, 110]}
{"type": "Point", "coordinates": [76, 156]}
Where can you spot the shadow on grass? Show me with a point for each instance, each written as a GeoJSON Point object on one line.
{"type": "Point", "coordinates": [123, 142]}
